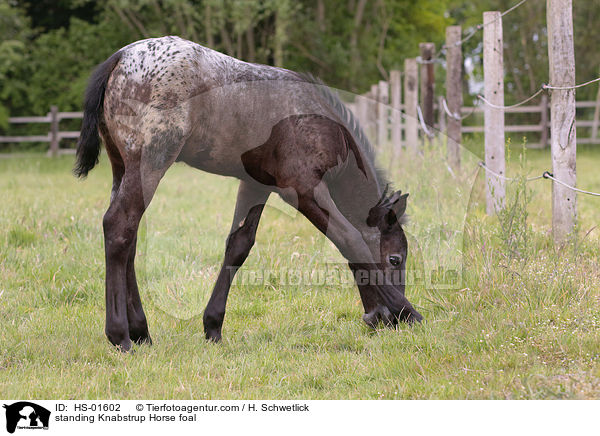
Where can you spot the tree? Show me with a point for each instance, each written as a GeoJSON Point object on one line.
{"type": "Point", "coordinates": [526, 42]}
{"type": "Point", "coordinates": [49, 47]}
{"type": "Point", "coordinates": [14, 33]}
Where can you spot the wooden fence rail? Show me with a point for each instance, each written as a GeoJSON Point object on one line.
{"type": "Point", "coordinates": [541, 110]}
{"type": "Point", "coordinates": [395, 114]}
{"type": "Point", "coordinates": [54, 136]}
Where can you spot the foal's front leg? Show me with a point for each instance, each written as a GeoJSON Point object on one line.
{"type": "Point", "coordinates": [378, 299]}
{"type": "Point", "coordinates": [251, 201]}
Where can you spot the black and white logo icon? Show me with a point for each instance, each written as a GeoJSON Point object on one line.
{"type": "Point", "coordinates": [26, 415]}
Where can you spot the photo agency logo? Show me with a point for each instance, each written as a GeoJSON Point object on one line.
{"type": "Point", "coordinates": [24, 415]}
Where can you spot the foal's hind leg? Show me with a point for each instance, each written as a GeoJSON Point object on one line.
{"type": "Point", "coordinates": [121, 223]}
{"type": "Point", "coordinates": [138, 325]}
{"type": "Point", "coordinates": [251, 201]}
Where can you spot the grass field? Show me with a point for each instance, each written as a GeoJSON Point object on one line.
{"type": "Point", "coordinates": [525, 322]}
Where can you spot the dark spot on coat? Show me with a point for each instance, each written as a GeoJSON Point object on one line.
{"type": "Point", "coordinates": [300, 150]}
{"type": "Point", "coordinates": [163, 145]}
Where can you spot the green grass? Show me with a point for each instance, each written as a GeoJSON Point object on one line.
{"type": "Point", "coordinates": [525, 327]}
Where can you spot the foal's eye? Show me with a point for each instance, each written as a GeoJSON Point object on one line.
{"type": "Point", "coordinates": [395, 260]}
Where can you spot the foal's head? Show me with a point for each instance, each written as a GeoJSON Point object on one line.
{"type": "Point", "coordinates": [387, 216]}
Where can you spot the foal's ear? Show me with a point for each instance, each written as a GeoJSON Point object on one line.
{"type": "Point", "coordinates": [398, 207]}
{"type": "Point", "coordinates": [376, 215]}
{"type": "Point", "coordinates": [388, 210]}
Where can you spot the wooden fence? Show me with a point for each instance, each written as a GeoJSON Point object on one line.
{"type": "Point", "coordinates": [390, 126]}
{"type": "Point", "coordinates": [387, 118]}
{"type": "Point", "coordinates": [371, 122]}
{"type": "Point", "coordinates": [384, 119]}
{"type": "Point", "coordinates": [557, 111]}
{"type": "Point", "coordinates": [53, 136]}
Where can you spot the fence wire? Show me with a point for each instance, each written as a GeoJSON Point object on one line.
{"type": "Point", "coordinates": [542, 89]}
{"type": "Point", "coordinates": [508, 179]}
{"type": "Point", "coordinates": [527, 100]}
{"type": "Point", "coordinates": [550, 176]}
{"type": "Point", "coordinates": [545, 175]}
{"type": "Point", "coordinates": [471, 34]}
{"type": "Point", "coordinates": [422, 121]}
{"type": "Point", "coordinates": [565, 88]}
{"type": "Point", "coordinates": [456, 116]}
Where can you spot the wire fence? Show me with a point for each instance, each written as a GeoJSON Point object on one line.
{"type": "Point", "coordinates": [527, 100]}
{"type": "Point", "coordinates": [543, 88]}
{"type": "Point", "coordinates": [548, 175]}
{"type": "Point", "coordinates": [571, 87]}
{"type": "Point", "coordinates": [437, 59]}
{"type": "Point", "coordinates": [545, 175]}
{"type": "Point", "coordinates": [426, 129]}
{"type": "Point", "coordinates": [470, 34]}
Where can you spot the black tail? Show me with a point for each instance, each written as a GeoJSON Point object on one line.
{"type": "Point", "coordinates": [88, 146]}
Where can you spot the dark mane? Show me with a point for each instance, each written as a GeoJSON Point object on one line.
{"type": "Point", "coordinates": [351, 123]}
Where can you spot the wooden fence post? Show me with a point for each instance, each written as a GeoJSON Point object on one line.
{"type": "Point", "coordinates": [382, 113]}
{"type": "Point", "coordinates": [362, 110]}
{"type": "Point", "coordinates": [53, 131]}
{"type": "Point", "coordinates": [454, 97]}
{"type": "Point", "coordinates": [596, 122]}
{"type": "Point", "coordinates": [561, 54]}
{"type": "Point", "coordinates": [493, 72]}
{"type": "Point", "coordinates": [544, 121]}
{"type": "Point", "coordinates": [396, 100]}
{"type": "Point", "coordinates": [427, 83]}
{"type": "Point", "coordinates": [411, 100]}
{"type": "Point", "coordinates": [373, 112]}
{"type": "Point", "coordinates": [442, 126]}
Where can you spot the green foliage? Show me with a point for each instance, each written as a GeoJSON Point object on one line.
{"type": "Point", "coordinates": [14, 32]}
{"type": "Point", "coordinates": [48, 48]}
{"type": "Point", "coordinates": [61, 60]}
{"type": "Point", "coordinates": [20, 236]}
{"type": "Point", "coordinates": [526, 43]}
{"type": "Point", "coordinates": [49, 64]}
{"type": "Point", "coordinates": [514, 230]}
{"type": "Point", "coordinates": [353, 56]}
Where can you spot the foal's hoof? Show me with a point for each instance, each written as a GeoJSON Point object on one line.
{"type": "Point", "coordinates": [140, 336]}
{"type": "Point", "coordinates": [142, 340]}
{"type": "Point", "coordinates": [417, 317]}
{"type": "Point", "coordinates": [119, 340]}
{"type": "Point", "coordinates": [213, 335]}
{"type": "Point", "coordinates": [380, 313]}
{"type": "Point", "coordinates": [411, 317]}
{"type": "Point", "coordinates": [123, 346]}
